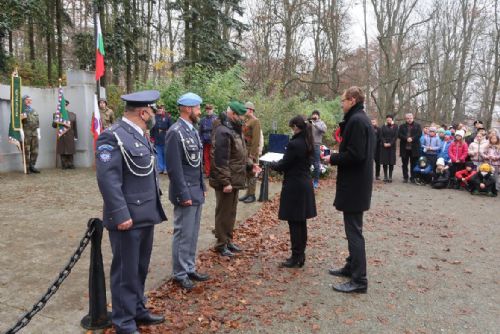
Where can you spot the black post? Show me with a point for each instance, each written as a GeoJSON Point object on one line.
{"type": "Point", "coordinates": [264, 186]}
{"type": "Point", "coordinates": [98, 316]}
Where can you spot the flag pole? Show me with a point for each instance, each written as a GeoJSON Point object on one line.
{"type": "Point", "coordinates": [98, 81]}
{"type": "Point", "coordinates": [15, 74]}
{"type": "Point", "coordinates": [57, 132]}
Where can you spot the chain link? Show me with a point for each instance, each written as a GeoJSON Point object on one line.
{"type": "Point", "coordinates": [39, 305]}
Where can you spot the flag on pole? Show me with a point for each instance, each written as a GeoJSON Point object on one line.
{"type": "Point", "coordinates": [96, 128]}
{"type": "Point", "coordinates": [15, 127]}
{"type": "Point", "coordinates": [99, 52]}
{"type": "Point", "coordinates": [61, 118]}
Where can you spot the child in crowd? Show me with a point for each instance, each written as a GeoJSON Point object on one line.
{"type": "Point", "coordinates": [432, 146]}
{"type": "Point", "coordinates": [445, 146]}
{"type": "Point", "coordinates": [457, 153]}
{"type": "Point", "coordinates": [483, 182]}
{"type": "Point", "coordinates": [423, 172]}
{"type": "Point", "coordinates": [441, 176]}
{"type": "Point", "coordinates": [492, 155]}
{"type": "Point", "coordinates": [463, 176]}
{"type": "Point", "coordinates": [477, 148]}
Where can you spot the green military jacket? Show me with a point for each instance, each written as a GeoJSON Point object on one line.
{"type": "Point", "coordinates": [31, 123]}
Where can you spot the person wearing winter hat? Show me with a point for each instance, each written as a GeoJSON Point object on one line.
{"type": "Point", "coordinates": [440, 133]}
{"type": "Point", "coordinates": [492, 155]}
{"type": "Point", "coordinates": [441, 176]}
{"type": "Point", "coordinates": [477, 148]}
{"type": "Point", "coordinates": [483, 182]}
{"type": "Point", "coordinates": [463, 176]}
{"type": "Point", "coordinates": [422, 172]}
{"type": "Point", "coordinates": [443, 153]}
{"type": "Point", "coordinates": [432, 146]}
{"type": "Point", "coordinates": [229, 164]}
{"type": "Point", "coordinates": [457, 152]}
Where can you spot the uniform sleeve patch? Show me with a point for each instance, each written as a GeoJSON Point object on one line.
{"type": "Point", "coordinates": [105, 147]}
{"type": "Point", "coordinates": [104, 154]}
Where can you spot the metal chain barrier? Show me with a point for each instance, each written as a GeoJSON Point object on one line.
{"type": "Point", "coordinates": [38, 306]}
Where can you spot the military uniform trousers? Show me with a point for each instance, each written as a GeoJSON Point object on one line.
{"type": "Point", "coordinates": [186, 228]}
{"type": "Point", "coordinates": [251, 183]}
{"type": "Point", "coordinates": [129, 268]}
{"type": "Point", "coordinates": [225, 215]}
{"type": "Point", "coordinates": [31, 149]}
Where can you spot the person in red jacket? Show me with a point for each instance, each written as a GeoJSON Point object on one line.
{"type": "Point", "coordinates": [458, 152]}
{"type": "Point", "coordinates": [464, 176]}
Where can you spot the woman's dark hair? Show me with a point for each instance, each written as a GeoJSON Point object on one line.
{"type": "Point", "coordinates": [306, 127]}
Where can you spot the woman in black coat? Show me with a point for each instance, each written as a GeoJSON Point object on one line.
{"type": "Point", "coordinates": [297, 202]}
{"type": "Point", "coordinates": [388, 137]}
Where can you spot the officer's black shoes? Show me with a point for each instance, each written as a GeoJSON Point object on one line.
{"type": "Point", "coordinates": [196, 276]}
{"type": "Point", "coordinates": [342, 272]}
{"type": "Point", "coordinates": [351, 287]}
{"type": "Point", "coordinates": [249, 199]}
{"type": "Point", "coordinates": [185, 283]}
{"type": "Point", "coordinates": [34, 170]}
{"type": "Point", "coordinates": [224, 251]}
{"type": "Point", "coordinates": [242, 198]}
{"type": "Point", "coordinates": [150, 319]}
{"type": "Point", "coordinates": [293, 263]}
{"type": "Point", "coordinates": [233, 248]}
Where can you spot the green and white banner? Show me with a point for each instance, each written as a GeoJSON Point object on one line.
{"type": "Point", "coordinates": [15, 127]}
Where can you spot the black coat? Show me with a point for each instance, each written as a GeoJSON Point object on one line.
{"type": "Point", "coordinates": [388, 134]}
{"type": "Point", "coordinates": [376, 129]}
{"type": "Point", "coordinates": [297, 200]}
{"type": "Point", "coordinates": [404, 134]}
{"type": "Point", "coordinates": [355, 162]}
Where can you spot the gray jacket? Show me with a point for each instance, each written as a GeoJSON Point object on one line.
{"type": "Point", "coordinates": [127, 180]}
{"type": "Point", "coordinates": [184, 158]}
{"type": "Point", "coordinates": [318, 130]}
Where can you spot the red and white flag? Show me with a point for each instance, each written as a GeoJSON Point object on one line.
{"type": "Point", "coordinates": [96, 123]}
{"type": "Point", "coordinates": [99, 52]}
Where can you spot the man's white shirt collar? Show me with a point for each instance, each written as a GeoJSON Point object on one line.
{"type": "Point", "coordinates": [132, 124]}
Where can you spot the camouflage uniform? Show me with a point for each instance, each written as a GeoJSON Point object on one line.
{"type": "Point", "coordinates": [107, 117]}
{"type": "Point", "coordinates": [30, 126]}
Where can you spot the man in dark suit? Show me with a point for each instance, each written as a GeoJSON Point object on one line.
{"type": "Point", "coordinates": [354, 186]}
{"type": "Point", "coordinates": [409, 146]}
{"type": "Point", "coordinates": [127, 179]}
{"type": "Point", "coordinates": [186, 190]}
{"type": "Point", "coordinates": [66, 143]}
{"type": "Point", "coordinates": [158, 133]}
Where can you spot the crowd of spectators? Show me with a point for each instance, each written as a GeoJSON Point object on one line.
{"type": "Point", "coordinates": [440, 156]}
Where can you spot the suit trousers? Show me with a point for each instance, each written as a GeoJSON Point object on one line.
{"type": "Point", "coordinates": [356, 262]}
{"type": "Point", "coordinates": [298, 238]}
{"type": "Point", "coordinates": [405, 159]}
{"type": "Point", "coordinates": [186, 229]}
{"type": "Point", "coordinates": [129, 268]}
{"type": "Point", "coordinates": [225, 215]}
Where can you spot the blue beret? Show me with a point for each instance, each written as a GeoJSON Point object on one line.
{"type": "Point", "coordinates": [189, 100]}
{"type": "Point", "coordinates": [145, 98]}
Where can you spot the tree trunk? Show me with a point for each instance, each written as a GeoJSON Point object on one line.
{"type": "Point", "coordinates": [59, 9]}
{"type": "Point", "coordinates": [31, 37]}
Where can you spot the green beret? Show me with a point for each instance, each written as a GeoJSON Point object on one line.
{"type": "Point", "coordinates": [238, 108]}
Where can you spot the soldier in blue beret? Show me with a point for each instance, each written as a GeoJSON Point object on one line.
{"type": "Point", "coordinates": [127, 179]}
{"type": "Point", "coordinates": [186, 190]}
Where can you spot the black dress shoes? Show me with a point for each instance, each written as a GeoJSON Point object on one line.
{"type": "Point", "coordinates": [351, 287]}
{"type": "Point", "coordinates": [34, 170]}
{"type": "Point", "coordinates": [196, 276]}
{"type": "Point", "coordinates": [242, 198]}
{"type": "Point", "coordinates": [185, 283]}
{"type": "Point", "coordinates": [342, 272]}
{"type": "Point", "coordinates": [249, 199]}
{"type": "Point", "coordinates": [150, 319]}
{"type": "Point", "coordinates": [233, 248]}
{"type": "Point", "coordinates": [224, 251]}
{"type": "Point", "coordinates": [293, 263]}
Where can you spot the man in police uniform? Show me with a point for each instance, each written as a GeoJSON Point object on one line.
{"type": "Point", "coordinates": [127, 179]}
{"type": "Point", "coordinates": [186, 190]}
{"type": "Point", "coordinates": [107, 114]}
{"type": "Point", "coordinates": [31, 128]}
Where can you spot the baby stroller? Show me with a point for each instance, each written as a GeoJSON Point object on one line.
{"type": "Point", "coordinates": [423, 172]}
